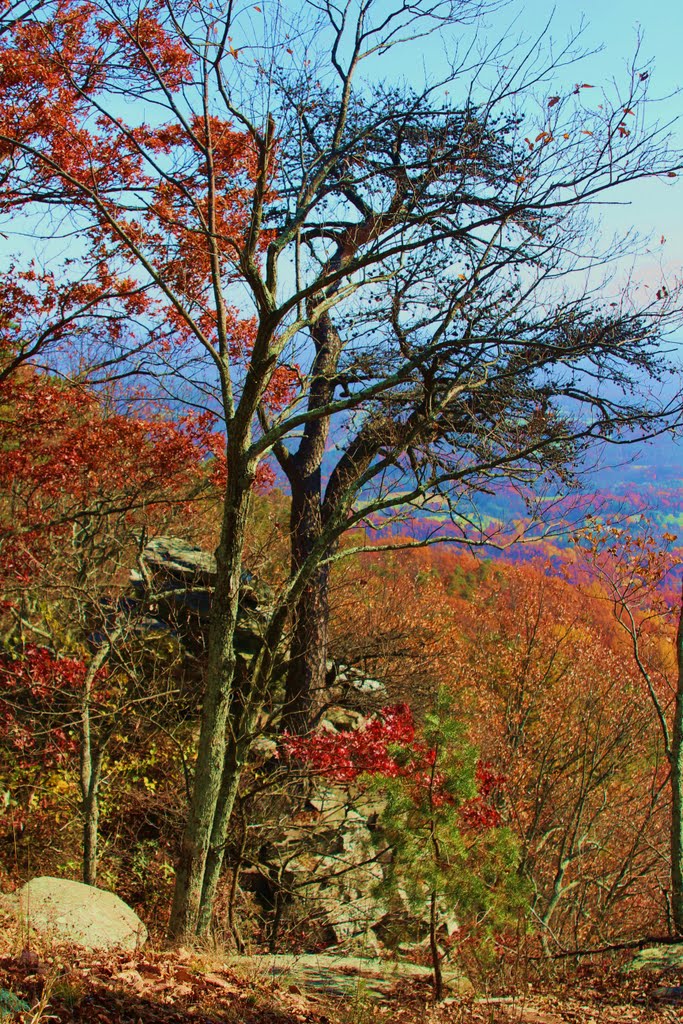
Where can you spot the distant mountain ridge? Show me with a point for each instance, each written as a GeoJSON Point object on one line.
{"type": "Point", "coordinates": [626, 481]}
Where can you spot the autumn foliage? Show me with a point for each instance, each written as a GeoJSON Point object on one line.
{"type": "Point", "coordinates": [54, 73]}
{"type": "Point", "coordinates": [239, 263]}
{"type": "Point", "coordinates": [389, 746]}
{"type": "Point", "coordinates": [70, 464]}
{"type": "Point", "coordinates": [343, 757]}
{"type": "Point", "coordinates": [552, 697]}
{"type": "Point", "coordinates": [47, 685]}
{"type": "Point", "coordinates": [536, 664]}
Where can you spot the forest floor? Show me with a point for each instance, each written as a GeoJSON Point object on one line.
{"type": "Point", "coordinates": [65, 984]}
{"type": "Point", "coordinates": [178, 986]}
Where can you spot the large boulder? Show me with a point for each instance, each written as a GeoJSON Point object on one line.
{"type": "Point", "coordinates": [72, 912]}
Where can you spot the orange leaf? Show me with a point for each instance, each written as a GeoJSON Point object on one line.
{"type": "Point", "coordinates": [553, 100]}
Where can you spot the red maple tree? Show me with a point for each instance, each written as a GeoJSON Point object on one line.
{"type": "Point", "coordinates": [388, 745]}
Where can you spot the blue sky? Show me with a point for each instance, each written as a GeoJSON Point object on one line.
{"type": "Point", "coordinates": [611, 35]}
{"type": "Point", "coordinates": [614, 27]}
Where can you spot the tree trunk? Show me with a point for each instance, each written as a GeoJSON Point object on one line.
{"type": "Point", "coordinates": [234, 883]}
{"type": "Point", "coordinates": [434, 947]}
{"type": "Point", "coordinates": [250, 687]}
{"type": "Point", "coordinates": [232, 770]}
{"type": "Point", "coordinates": [215, 781]}
{"type": "Point", "coordinates": [305, 683]}
{"type": "Point", "coordinates": [90, 832]}
{"type": "Point", "coordinates": [91, 758]}
{"type": "Point", "coordinates": [676, 760]}
{"type": "Point", "coordinates": [91, 777]}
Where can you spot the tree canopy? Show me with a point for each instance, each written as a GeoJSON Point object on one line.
{"type": "Point", "coordinates": [266, 223]}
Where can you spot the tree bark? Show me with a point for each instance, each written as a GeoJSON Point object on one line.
{"type": "Point", "coordinates": [91, 759]}
{"type": "Point", "coordinates": [235, 754]}
{"type": "Point", "coordinates": [434, 948]}
{"type": "Point", "coordinates": [305, 683]}
{"type": "Point", "coordinates": [214, 787]}
{"type": "Point", "coordinates": [234, 882]}
{"type": "Point", "coordinates": [91, 817]}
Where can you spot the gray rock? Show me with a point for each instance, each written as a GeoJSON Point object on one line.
{"type": "Point", "coordinates": [263, 748]}
{"type": "Point", "coordinates": [347, 976]}
{"type": "Point", "coordinates": [347, 679]}
{"type": "Point", "coordinates": [343, 719]}
{"type": "Point", "coordinates": [335, 873]}
{"type": "Point", "coordinates": [658, 958]}
{"type": "Point", "coordinates": [667, 994]}
{"type": "Point", "coordinates": [72, 912]}
{"type": "Point", "coordinates": [356, 680]}
{"type": "Point", "coordinates": [182, 579]}
{"type": "Point", "coordinates": [178, 556]}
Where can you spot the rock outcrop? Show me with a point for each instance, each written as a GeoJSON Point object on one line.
{"type": "Point", "coordinates": [69, 911]}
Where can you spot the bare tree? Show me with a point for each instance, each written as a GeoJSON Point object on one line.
{"type": "Point", "coordinates": [320, 245]}
{"type": "Point", "coordinates": [635, 570]}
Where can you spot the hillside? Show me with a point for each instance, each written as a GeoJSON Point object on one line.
{"type": "Point", "coordinates": [549, 709]}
